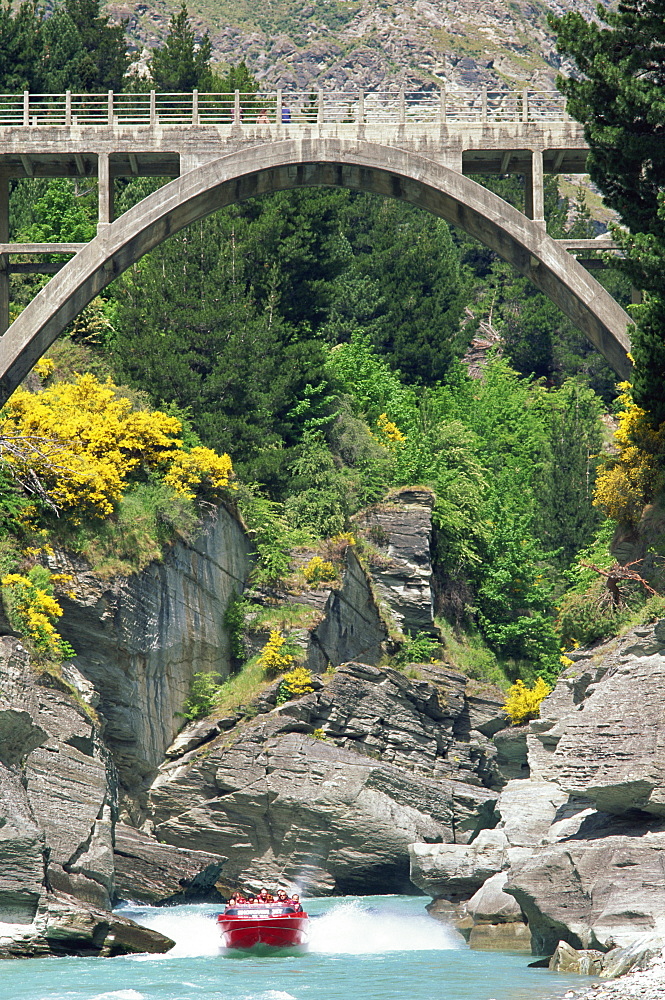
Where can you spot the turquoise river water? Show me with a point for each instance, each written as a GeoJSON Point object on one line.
{"type": "Point", "coordinates": [369, 948]}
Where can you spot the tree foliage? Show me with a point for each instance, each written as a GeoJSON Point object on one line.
{"type": "Point", "coordinates": [620, 97]}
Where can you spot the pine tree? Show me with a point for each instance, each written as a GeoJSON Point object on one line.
{"type": "Point", "coordinates": [620, 98]}
{"type": "Point", "coordinates": [181, 66]}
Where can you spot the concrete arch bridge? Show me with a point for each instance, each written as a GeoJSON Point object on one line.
{"type": "Point", "coordinates": [222, 149]}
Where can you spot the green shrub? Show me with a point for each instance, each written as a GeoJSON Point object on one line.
{"type": "Point", "coordinates": [234, 623]}
{"type": "Point", "coordinates": [204, 694]}
{"type": "Point", "coordinates": [420, 648]}
{"type": "Point", "coordinates": [589, 617]}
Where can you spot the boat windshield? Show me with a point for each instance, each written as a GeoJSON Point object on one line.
{"type": "Point", "coordinates": [258, 911]}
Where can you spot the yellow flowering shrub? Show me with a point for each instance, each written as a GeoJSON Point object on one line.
{"type": "Point", "coordinates": [295, 684]}
{"type": "Point", "coordinates": [389, 432]}
{"type": "Point", "coordinates": [272, 659]}
{"type": "Point", "coordinates": [523, 703]}
{"type": "Point", "coordinates": [200, 467]}
{"type": "Point", "coordinates": [629, 482]}
{"type": "Point", "coordinates": [319, 570]}
{"type": "Point", "coordinates": [44, 367]}
{"type": "Point", "coordinates": [81, 441]}
{"type": "Point", "coordinates": [33, 611]}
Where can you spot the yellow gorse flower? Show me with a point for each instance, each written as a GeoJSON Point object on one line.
{"type": "Point", "coordinates": [83, 442]}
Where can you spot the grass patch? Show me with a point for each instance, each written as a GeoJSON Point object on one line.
{"type": "Point", "coordinates": [149, 518]}
{"type": "Point", "coordinates": [228, 696]}
{"type": "Point", "coordinates": [282, 617]}
{"type": "Point", "coordinates": [468, 653]}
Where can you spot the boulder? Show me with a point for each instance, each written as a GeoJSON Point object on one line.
{"type": "Point", "coordinates": [586, 962]}
{"type": "Point", "coordinates": [456, 871]}
{"type": "Point", "coordinates": [149, 872]}
{"type": "Point", "coordinates": [512, 754]}
{"type": "Point", "coordinates": [64, 925]}
{"type": "Point", "coordinates": [286, 807]}
{"type": "Point", "coordinates": [491, 905]}
{"type": "Point", "coordinates": [527, 810]}
{"type": "Point", "coordinates": [598, 889]}
{"type": "Point", "coordinates": [634, 957]}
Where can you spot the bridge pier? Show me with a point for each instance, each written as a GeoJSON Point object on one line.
{"type": "Point", "coordinates": [534, 189]}
{"type": "Point", "coordinates": [4, 258]}
{"type": "Point", "coordinates": [105, 185]}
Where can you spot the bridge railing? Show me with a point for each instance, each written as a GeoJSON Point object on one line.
{"type": "Point", "coordinates": [388, 107]}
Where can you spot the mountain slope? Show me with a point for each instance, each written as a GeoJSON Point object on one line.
{"type": "Point", "coordinates": [372, 44]}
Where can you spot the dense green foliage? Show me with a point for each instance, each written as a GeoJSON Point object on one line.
{"type": "Point", "coordinates": [620, 97]}
{"type": "Point", "coordinates": [76, 48]}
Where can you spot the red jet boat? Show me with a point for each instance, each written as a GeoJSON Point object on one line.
{"type": "Point", "coordinates": [268, 925]}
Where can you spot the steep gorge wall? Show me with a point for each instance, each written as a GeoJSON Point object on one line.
{"type": "Point", "coordinates": [139, 640]}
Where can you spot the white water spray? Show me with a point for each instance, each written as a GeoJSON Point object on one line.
{"type": "Point", "coordinates": [354, 928]}
{"type": "Point", "coordinates": [194, 931]}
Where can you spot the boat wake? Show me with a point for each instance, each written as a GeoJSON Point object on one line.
{"type": "Point", "coordinates": [354, 928]}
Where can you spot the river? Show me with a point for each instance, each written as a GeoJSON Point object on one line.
{"type": "Point", "coordinates": [370, 948]}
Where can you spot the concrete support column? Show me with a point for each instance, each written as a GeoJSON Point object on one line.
{"type": "Point", "coordinates": [4, 258]}
{"type": "Point", "coordinates": [105, 183]}
{"type": "Point", "coordinates": [534, 191]}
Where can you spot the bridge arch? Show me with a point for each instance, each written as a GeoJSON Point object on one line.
{"type": "Point", "coordinates": [313, 162]}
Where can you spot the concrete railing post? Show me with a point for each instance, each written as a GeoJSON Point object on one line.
{"type": "Point", "coordinates": [320, 113]}
{"type": "Point", "coordinates": [105, 188]}
{"type": "Point", "coordinates": [68, 107]}
{"type": "Point", "coordinates": [236, 108]}
{"type": "Point", "coordinates": [278, 110]}
{"type": "Point", "coordinates": [442, 106]}
{"type": "Point", "coordinates": [525, 105]}
{"type": "Point", "coordinates": [109, 107]}
{"type": "Point", "coordinates": [402, 107]}
{"type": "Point", "coordinates": [195, 107]}
{"type": "Point", "coordinates": [26, 107]}
{"type": "Point", "coordinates": [483, 104]}
{"type": "Point", "coordinates": [153, 108]}
{"type": "Point", "coordinates": [361, 108]}
{"type": "Point", "coordinates": [4, 258]}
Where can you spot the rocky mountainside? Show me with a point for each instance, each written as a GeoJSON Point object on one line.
{"type": "Point", "coordinates": [372, 44]}
{"type": "Point", "coordinates": [579, 844]}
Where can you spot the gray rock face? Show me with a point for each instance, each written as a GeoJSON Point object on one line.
{"type": "Point", "coordinates": [351, 627]}
{"type": "Point", "coordinates": [401, 530]}
{"type": "Point", "coordinates": [149, 872]}
{"type": "Point", "coordinates": [140, 639]}
{"type": "Point", "coordinates": [67, 782]}
{"type": "Point", "coordinates": [599, 889]}
{"type": "Point", "coordinates": [57, 811]}
{"type": "Point", "coordinates": [293, 808]}
{"type": "Point", "coordinates": [336, 814]}
{"type": "Point", "coordinates": [604, 740]}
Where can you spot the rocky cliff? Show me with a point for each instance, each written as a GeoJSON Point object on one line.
{"type": "Point", "coordinates": [139, 640]}
{"type": "Point", "coordinates": [580, 843]}
{"type": "Point", "coordinates": [328, 791]}
{"type": "Point", "coordinates": [57, 811]}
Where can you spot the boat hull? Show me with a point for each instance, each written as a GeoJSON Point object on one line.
{"type": "Point", "coordinates": [271, 932]}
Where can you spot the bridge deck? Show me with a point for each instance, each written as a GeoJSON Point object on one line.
{"type": "Point", "coordinates": [168, 134]}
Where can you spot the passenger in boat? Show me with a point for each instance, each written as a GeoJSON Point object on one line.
{"type": "Point", "coordinates": [295, 902]}
{"type": "Point", "coordinates": [265, 896]}
{"type": "Point", "coordinates": [282, 897]}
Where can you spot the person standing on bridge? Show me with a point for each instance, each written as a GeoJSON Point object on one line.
{"type": "Point", "coordinates": [286, 113]}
